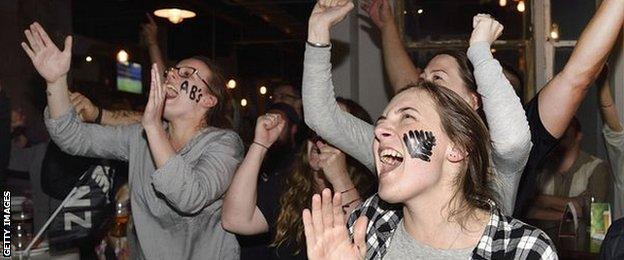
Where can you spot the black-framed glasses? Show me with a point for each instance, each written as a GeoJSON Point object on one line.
{"type": "Point", "coordinates": [187, 72]}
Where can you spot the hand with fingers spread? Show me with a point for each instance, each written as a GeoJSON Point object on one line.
{"type": "Point", "coordinates": [326, 233]}
{"type": "Point", "coordinates": [83, 106]}
{"type": "Point", "coordinates": [152, 117]}
{"type": "Point", "coordinates": [485, 29]}
{"type": "Point", "coordinates": [326, 14]}
{"type": "Point", "coordinates": [51, 63]}
{"type": "Point", "coordinates": [379, 11]}
{"type": "Point", "coordinates": [334, 165]}
{"type": "Point", "coordinates": [268, 129]}
{"type": "Point", "coordinates": [149, 31]}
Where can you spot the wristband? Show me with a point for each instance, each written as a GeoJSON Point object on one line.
{"type": "Point", "coordinates": [319, 45]}
{"type": "Point", "coordinates": [263, 146]}
{"type": "Point", "coordinates": [347, 190]}
{"type": "Point", "coordinates": [604, 106]}
{"type": "Point", "coordinates": [98, 119]}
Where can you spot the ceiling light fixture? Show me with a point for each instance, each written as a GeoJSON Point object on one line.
{"type": "Point", "coordinates": [175, 15]}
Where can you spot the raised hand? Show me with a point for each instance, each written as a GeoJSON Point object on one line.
{"type": "Point", "coordinates": [326, 233]}
{"type": "Point", "coordinates": [268, 129]}
{"type": "Point", "coordinates": [83, 106]}
{"type": "Point", "coordinates": [379, 11]}
{"type": "Point", "coordinates": [51, 63]}
{"type": "Point", "coordinates": [152, 117]}
{"type": "Point", "coordinates": [485, 29]}
{"type": "Point", "coordinates": [328, 13]}
{"type": "Point", "coordinates": [149, 31]}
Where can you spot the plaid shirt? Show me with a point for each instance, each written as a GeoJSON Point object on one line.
{"type": "Point", "coordinates": [504, 237]}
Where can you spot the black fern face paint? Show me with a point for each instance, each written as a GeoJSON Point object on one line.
{"type": "Point", "coordinates": [419, 144]}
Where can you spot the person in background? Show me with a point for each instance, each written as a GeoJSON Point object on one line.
{"type": "Point", "coordinates": [614, 140]}
{"type": "Point", "coordinates": [288, 94]}
{"type": "Point", "coordinates": [179, 171]}
{"type": "Point", "coordinates": [612, 247]}
{"type": "Point", "coordinates": [551, 110]}
{"type": "Point", "coordinates": [275, 207]}
{"type": "Point", "coordinates": [571, 175]}
{"type": "Point", "coordinates": [5, 134]}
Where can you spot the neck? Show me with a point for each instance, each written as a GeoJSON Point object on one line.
{"type": "Point", "coordinates": [181, 131]}
{"type": "Point", "coordinates": [427, 219]}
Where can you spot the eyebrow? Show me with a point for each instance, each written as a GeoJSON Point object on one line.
{"type": "Point", "coordinates": [443, 71]}
{"type": "Point", "coordinates": [403, 109]}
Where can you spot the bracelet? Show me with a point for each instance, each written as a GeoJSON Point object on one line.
{"type": "Point", "coordinates": [347, 190]}
{"type": "Point", "coordinates": [98, 119]}
{"type": "Point", "coordinates": [601, 105]}
{"type": "Point", "coordinates": [319, 45]}
{"type": "Point", "coordinates": [263, 146]}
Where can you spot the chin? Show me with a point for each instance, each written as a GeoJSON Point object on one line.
{"type": "Point", "coordinates": [389, 195]}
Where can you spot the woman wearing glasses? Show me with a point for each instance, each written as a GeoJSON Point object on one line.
{"type": "Point", "coordinates": [179, 169]}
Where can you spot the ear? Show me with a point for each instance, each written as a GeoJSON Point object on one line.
{"type": "Point", "coordinates": [455, 155]}
{"type": "Point", "coordinates": [208, 101]}
{"type": "Point", "coordinates": [475, 101]}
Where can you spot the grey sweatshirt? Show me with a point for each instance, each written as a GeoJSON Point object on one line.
{"type": "Point", "coordinates": [509, 128]}
{"type": "Point", "coordinates": [177, 208]}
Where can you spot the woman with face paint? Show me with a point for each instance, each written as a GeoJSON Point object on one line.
{"type": "Point", "coordinates": [179, 170]}
{"type": "Point", "coordinates": [432, 157]}
{"type": "Point", "coordinates": [488, 91]}
{"type": "Point", "coordinates": [254, 205]}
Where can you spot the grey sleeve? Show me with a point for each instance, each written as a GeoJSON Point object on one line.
{"type": "Point", "coordinates": [190, 188]}
{"type": "Point", "coordinates": [323, 115]}
{"type": "Point", "coordinates": [91, 140]}
{"type": "Point", "coordinates": [509, 127]}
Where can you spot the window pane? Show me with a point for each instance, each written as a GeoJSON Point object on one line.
{"type": "Point", "coordinates": [572, 16]}
{"type": "Point", "coordinates": [435, 20]}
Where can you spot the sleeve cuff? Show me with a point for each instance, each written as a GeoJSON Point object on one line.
{"type": "Point", "coordinates": [612, 136]}
{"type": "Point", "coordinates": [52, 123]}
{"type": "Point", "coordinates": [313, 53]}
{"type": "Point", "coordinates": [479, 52]}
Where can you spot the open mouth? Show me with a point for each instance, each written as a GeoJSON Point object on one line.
{"type": "Point", "coordinates": [390, 159]}
{"type": "Point", "coordinates": [170, 91]}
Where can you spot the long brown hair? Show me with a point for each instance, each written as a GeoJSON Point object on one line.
{"type": "Point", "coordinates": [217, 116]}
{"type": "Point", "coordinates": [300, 186]}
{"type": "Point", "coordinates": [469, 134]}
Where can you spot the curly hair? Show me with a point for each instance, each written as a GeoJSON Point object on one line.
{"type": "Point", "coordinates": [300, 186]}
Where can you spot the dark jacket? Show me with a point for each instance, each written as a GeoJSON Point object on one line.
{"type": "Point", "coordinates": [613, 245]}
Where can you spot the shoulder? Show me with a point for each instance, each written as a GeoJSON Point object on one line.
{"type": "Point", "coordinates": [526, 239]}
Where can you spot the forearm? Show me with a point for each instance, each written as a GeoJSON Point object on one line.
{"type": "Point", "coordinates": [160, 147]}
{"type": "Point", "coordinates": [607, 108]}
{"type": "Point", "coordinates": [120, 117]}
{"type": "Point", "coordinates": [156, 56]}
{"type": "Point", "coordinates": [555, 203]}
{"type": "Point", "coordinates": [397, 62]}
{"type": "Point", "coordinates": [508, 125]}
{"type": "Point", "coordinates": [241, 198]}
{"type": "Point", "coordinates": [544, 214]}
{"type": "Point", "coordinates": [58, 97]}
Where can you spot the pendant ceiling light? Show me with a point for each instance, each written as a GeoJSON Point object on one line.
{"type": "Point", "coordinates": [174, 14]}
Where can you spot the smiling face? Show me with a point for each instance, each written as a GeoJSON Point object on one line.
{"type": "Point", "coordinates": [444, 70]}
{"type": "Point", "coordinates": [188, 96]}
{"type": "Point", "coordinates": [401, 174]}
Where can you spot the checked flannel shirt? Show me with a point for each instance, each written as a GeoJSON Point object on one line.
{"type": "Point", "coordinates": [504, 237]}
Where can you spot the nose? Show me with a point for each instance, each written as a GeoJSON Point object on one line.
{"type": "Point", "coordinates": [384, 132]}
{"type": "Point", "coordinates": [172, 75]}
{"type": "Point", "coordinates": [423, 76]}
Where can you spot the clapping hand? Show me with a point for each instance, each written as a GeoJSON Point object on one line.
{"type": "Point", "coordinates": [152, 117]}
{"type": "Point", "coordinates": [326, 233]}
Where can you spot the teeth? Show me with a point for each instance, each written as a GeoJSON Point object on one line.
{"type": "Point", "coordinates": [390, 152]}
{"type": "Point", "coordinates": [169, 86]}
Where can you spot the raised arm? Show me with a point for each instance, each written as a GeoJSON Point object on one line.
{"type": "Point", "coordinates": [150, 34]}
{"type": "Point", "coordinates": [73, 136]}
{"type": "Point", "coordinates": [189, 188]}
{"type": "Point", "coordinates": [322, 113]}
{"type": "Point", "coordinates": [562, 96]}
{"type": "Point", "coordinates": [240, 213]}
{"type": "Point", "coordinates": [607, 105]}
{"type": "Point", "coordinates": [508, 125]}
{"type": "Point", "coordinates": [399, 66]}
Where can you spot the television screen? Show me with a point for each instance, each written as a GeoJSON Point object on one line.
{"type": "Point", "coordinates": [129, 77]}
